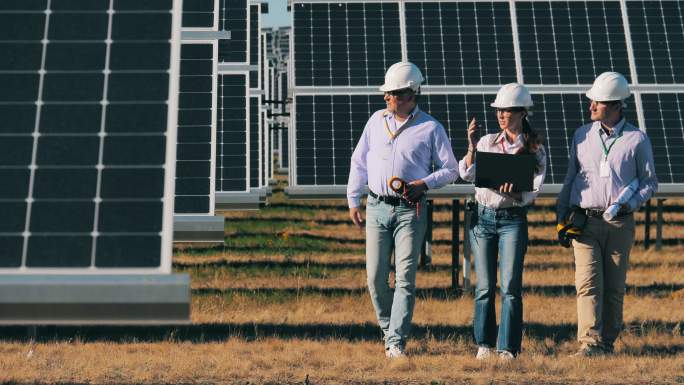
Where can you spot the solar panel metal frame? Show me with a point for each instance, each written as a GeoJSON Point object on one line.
{"type": "Point", "coordinates": [214, 110]}
{"type": "Point", "coordinates": [165, 264]}
{"type": "Point", "coordinates": [548, 190]}
{"type": "Point", "coordinates": [247, 199]}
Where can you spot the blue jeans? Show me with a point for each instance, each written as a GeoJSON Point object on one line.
{"type": "Point", "coordinates": [395, 228]}
{"type": "Point", "coordinates": [504, 233]}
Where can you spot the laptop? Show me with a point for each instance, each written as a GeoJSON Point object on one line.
{"type": "Point", "coordinates": [494, 169]}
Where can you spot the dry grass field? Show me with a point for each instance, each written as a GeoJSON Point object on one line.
{"type": "Point", "coordinates": [284, 301]}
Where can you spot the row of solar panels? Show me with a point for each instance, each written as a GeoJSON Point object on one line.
{"type": "Point", "coordinates": [91, 138]}
{"type": "Point", "coordinates": [226, 140]}
{"type": "Point", "coordinates": [466, 51]}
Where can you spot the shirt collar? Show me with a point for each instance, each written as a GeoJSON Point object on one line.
{"type": "Point", "coordinates": [502, 138]}
{"type": "Point", "coordinates": [617, 129]}
{"type": "Point", "coordinates": [410, 116]}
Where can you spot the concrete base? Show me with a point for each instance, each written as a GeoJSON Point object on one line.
{"type": "Point", "coordinates": [94, 299]}
{"type": "Point", "coordinates": [198, 228]}
{"type": "Point", "coordinates": [231, 201]}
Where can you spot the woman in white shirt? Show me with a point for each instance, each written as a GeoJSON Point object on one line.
{"type": "Point", "coordinates": [499, 225]}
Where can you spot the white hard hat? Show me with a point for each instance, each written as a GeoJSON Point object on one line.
{"type": "Point", "coordinates": [609, 86]}
{"type": "Point", "coordinates": [402, 75]}
{"type": "Point", "coordinates": [513, 95]}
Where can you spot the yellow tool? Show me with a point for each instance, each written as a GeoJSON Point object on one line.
{"type": "Point", "coordinates": [567, 232]}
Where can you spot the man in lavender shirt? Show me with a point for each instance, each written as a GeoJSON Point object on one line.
{"type": "Point", "coordinates": [606, 156]}
{"type": "Point", "coordinates": [400, 141]}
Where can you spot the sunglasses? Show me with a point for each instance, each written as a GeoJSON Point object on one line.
{"type": "Point", "coordinates": [402, 92]}
{"type": "Point", "coordinates": [508, 110]}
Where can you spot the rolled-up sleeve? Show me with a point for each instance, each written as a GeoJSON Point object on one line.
{"type": "Point", "coordinates": [539, 175]}
{"type": "Point", "coordinates": [468, 173]}
{"type": "Point", "coordinates": [444, 160]}
{"type": "Point", "coordinates": [645, 168]}
{"type": "Point", "coordinates": [358, 171]}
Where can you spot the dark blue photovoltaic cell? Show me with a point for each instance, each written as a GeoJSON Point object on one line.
{"type": "Point", "coordinates": [198, 13]}
{"type": "Point", "coordinates": [194, 128]}
{"type": "Point", "coordinates": [342, 44]}
{"type": "Point", "coordinates": [570, 42]}
{"type": "Point", "coordinates": [664, 119]}
{"type": "Point", "coordinates": [232, 134]}
{"type": "Point", "coordinates": [233, 17]}
{"type": "Point", "coordinates": [254, 141]}
{"type": "Point", "coordinates": [254, 46]}
{"type": "Point", "coordinates": [66, 158]}
{"type": "Point", "coordinates": [657, 30]}
{"type": "Point", "coordinates": [461, 43]}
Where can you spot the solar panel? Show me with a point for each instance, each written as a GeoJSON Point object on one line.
{"type": "Point", "coordinates": [233, 17]}
{"type": "Point", "coordinates": [254, 142]}
{"type": "Point", "coordinates": [657, 32]}
{"type": "Point", "coordinates": [87, 144]}
{"type": "Point", "coordinates": [461, 43]}
{"type": "Point", "coordinates": [343, 44]}
{"type": "Point", "coordinates": [195, 152]}
{"type": "Point", "coordinates": [665, 121]}
{"type": "Point", "coordinates": [199, 13]}
{"type": "Point", "coordinates": [232, 136]}
{"type": "Point", "coordinates": [254, 46]}
{"type": "Point", "coordinates": [466, 51]}
{"type": "Point", "coordinates": [570, 42]}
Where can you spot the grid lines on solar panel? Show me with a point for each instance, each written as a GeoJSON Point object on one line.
{"type": "Point", "coordinates": [198, 13]}
{"type": "Point", "coordinates": [254, 142]}
{"type": "Point", "coordinates": [232, 134]}
{"type": "Point", "coordinates": [193, 154]}
{"type": "Point", "coordinates": [254, 28]}
{"type": "Point", "coordinates": [570, 42]}
{"type": "Point", "coordinates": [77, 135]}
{"type": "Point", "coordinates": [233, 17]}
{"type": "Point", "coordinates": [345, 44]}
{"type": "Point", "coordinates": [657, 31]}
{"type": "Point", "coordinates": [328, 129]}
{"type": "Point", "coordinates": [461, 43]}
{"type": "Point", "coordinates": [664, 121]}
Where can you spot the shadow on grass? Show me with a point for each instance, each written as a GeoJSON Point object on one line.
{"type": "Point", "coordinates": [203, 333]}
{"type": "Point", "coordinates": [437, 293]}
{"type": "Point", "coordinates": [529, 266]}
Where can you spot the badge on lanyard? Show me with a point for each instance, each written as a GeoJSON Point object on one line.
{"type": "Point", "coordinates": [604, 168]}
{"type": "Point", "coordinates": [387, 150]}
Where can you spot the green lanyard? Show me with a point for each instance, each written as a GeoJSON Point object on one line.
{"type": "Point", "coordinates": [606, 151]}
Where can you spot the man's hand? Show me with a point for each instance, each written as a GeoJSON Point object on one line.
{"type": "Point", "coordinates": [355, 215]}
{"type": "Point", "coordinates": [415, 190]}
{"type": "Point", "coordinates": [624, 208]}
{"type": "Point", "coordinates": [507, 189]}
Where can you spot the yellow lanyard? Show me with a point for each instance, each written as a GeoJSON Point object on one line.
{"type": "Point", "coordinates": [393, 135]}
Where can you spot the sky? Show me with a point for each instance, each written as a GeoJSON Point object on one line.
{"type": "Point", "coordinates": [277, 14]}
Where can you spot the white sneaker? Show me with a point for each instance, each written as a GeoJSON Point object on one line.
{"type": "Point", "coordinates": [395, 352]}
{"type": "Point", "coordinates": [505, 355]}
{"type": "Point", "coordinates": [483, 353]}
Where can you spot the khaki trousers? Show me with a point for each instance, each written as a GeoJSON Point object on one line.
{"type": "Point", "coordinates": [601, 261]}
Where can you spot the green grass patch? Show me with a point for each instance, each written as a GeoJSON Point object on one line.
{"type": "Point", "coordinates": [206, 273]}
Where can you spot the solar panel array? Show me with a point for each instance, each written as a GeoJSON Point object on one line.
{"type": "Point", "coordinates": [466, 50]}
{"type": "Point", "coordinates": [196, 129]}
{"type": "Point", "coordinates": [234, 17]}
{"type": "Point", "coordinates": [86, 154]}
{"type": "Point", "coordinates": [232, 136]}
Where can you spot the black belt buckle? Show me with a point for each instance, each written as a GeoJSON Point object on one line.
{"type": "Point", "coordinates": [593, 213]}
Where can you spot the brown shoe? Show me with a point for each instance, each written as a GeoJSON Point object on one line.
{"type": "Point", "coordinates": [589, 351]}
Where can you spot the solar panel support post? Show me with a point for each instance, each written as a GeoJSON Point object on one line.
{"type": "Point", "coordinates": [455, 239]}
{"type": "Point", "coordinates": [659, 225]}
{"type": "Point", "coordinates": [647, 225]}
{"type": "Point", "coordinates": [426, 250]}
{"type": "Point", "coordinates": [467, 217]}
